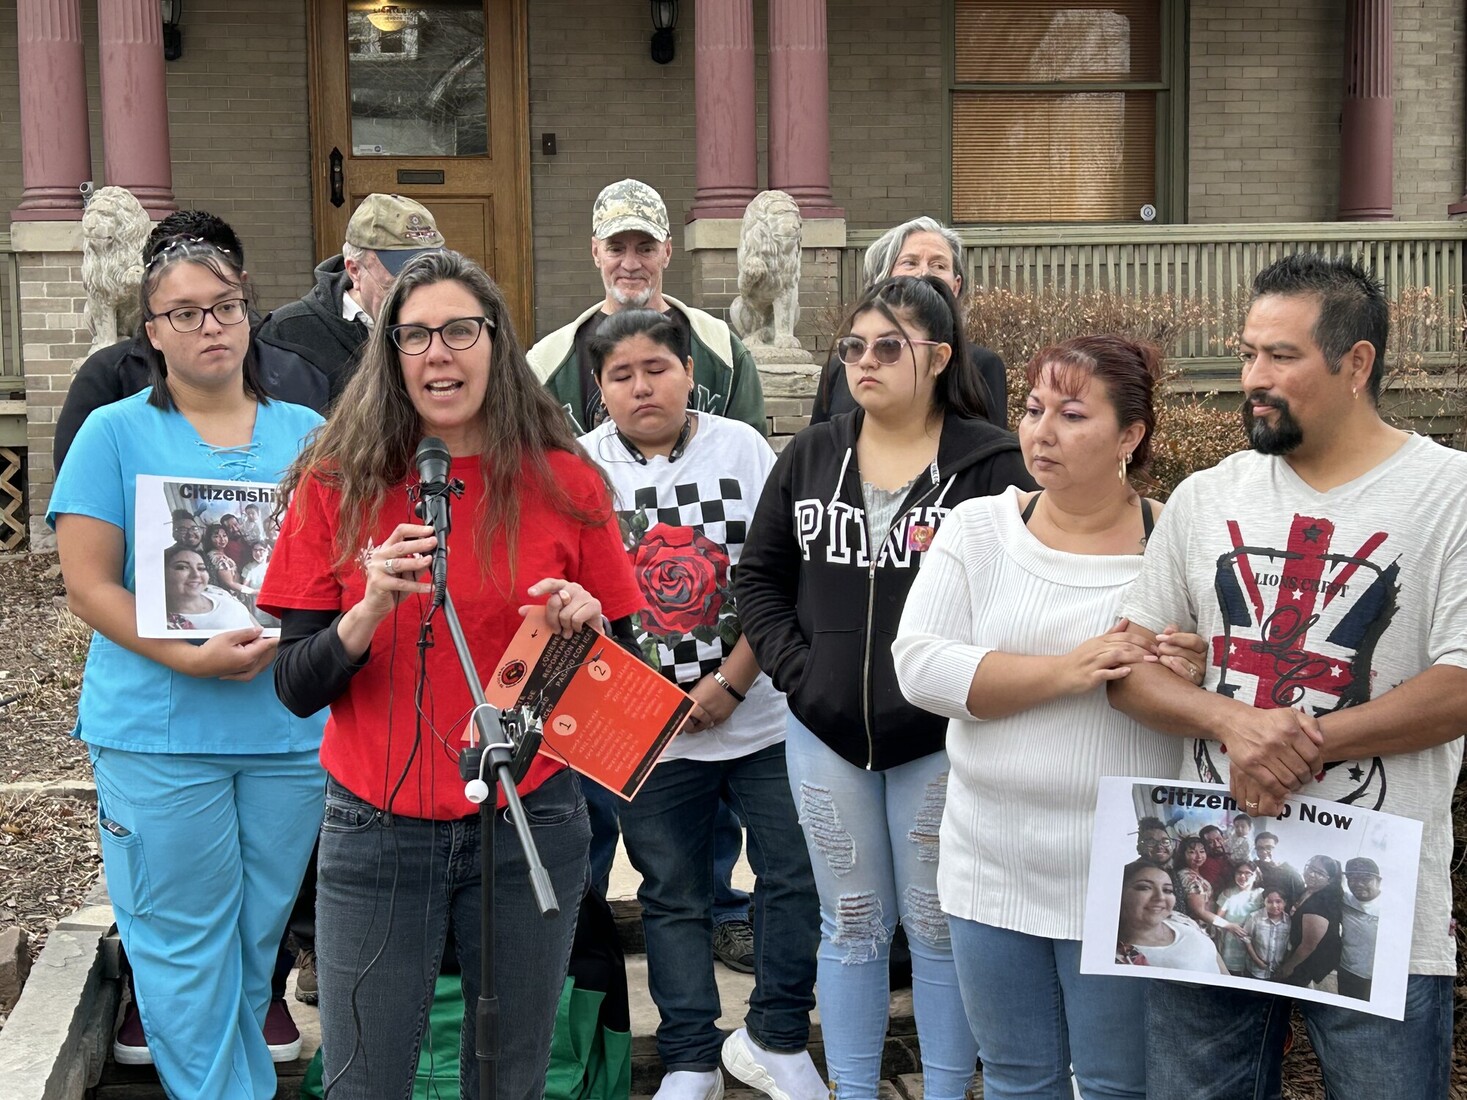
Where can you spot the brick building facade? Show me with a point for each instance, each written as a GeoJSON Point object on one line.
{"type": "Point", "coordinates": [1261, 108]}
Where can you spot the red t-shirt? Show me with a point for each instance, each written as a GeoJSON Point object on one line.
{"type": "Point", "coordinates": [370, 733]}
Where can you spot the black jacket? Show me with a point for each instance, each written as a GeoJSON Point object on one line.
{"type": "Point", "coordinates": [820, 616]}
{"type": "Point", "coordinates": [122, 370]}
{"type": "Point", "coordinates": [312, 326]}
{"type": "Point", "coordinates": [833, 395]}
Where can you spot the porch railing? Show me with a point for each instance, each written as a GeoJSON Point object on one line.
{"type": "Point", "coordinates": [1211, 264]}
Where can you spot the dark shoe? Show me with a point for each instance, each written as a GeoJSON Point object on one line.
{"type": "Point", "coordinates": [130, 1047]}
{"type": "Point", "coordinates": [305, 978]}
{"type": "Point", "coordinates": [281, 1035]}
{"type": "Point", "coordinates": [733, 945]}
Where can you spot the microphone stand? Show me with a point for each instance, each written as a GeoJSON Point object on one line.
{"type": "Point", "coordinates": [493, 750]}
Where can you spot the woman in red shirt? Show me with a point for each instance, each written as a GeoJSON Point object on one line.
{"type": "Point", "coordinates": [399, 853]}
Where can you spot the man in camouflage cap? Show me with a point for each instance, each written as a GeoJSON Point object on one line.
{"type": "Point", "coordinates": [631, 245]}
{"type": "Point", "coordinates": [329, 324]}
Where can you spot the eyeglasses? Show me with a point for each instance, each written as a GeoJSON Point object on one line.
{"type": "Point", "coordinates": [460, 334]}
{"type": "Point", "coordinates": [231, 311]}
{"type": "Point", "coordinates": [1152, 845]}
{"type": "Point", "coordinates": [887, 349]}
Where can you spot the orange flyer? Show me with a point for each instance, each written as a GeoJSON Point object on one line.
{"type": "Point", "coordinates": [606, 713]}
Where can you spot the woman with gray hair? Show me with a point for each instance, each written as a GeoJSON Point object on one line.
{"type": "Point", "coordinates": [922, 246]}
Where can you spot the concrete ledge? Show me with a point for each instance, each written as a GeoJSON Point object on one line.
{"type": "Point", "coordinates": [723, 233]}
{"type": "Point", "coordinates": [46, 236]}
{"type": "Point", "coordinates": [56, 1041]}
{"type": "Point", "coordinates": [83, 790]}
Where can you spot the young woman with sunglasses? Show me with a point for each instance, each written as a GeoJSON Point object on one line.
{"type": "Point", "coordinates": [400, 844]}
{"type": "Point", "coordinates": [841, 529]}
{"type": "Point", "coordinates": [208, 789]}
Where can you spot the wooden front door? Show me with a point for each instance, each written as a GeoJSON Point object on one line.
{"type": "Point", "coordinates": [430, 100]}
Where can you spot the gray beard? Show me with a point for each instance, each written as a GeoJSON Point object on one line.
{"type": "Point", "coordinates": [631, 301]}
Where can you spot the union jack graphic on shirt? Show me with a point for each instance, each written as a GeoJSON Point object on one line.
{"type": "Point", "coordinates": [1301, 625]}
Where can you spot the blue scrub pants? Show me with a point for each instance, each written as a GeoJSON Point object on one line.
{"type": "Point", "coordinates": [204, 854]}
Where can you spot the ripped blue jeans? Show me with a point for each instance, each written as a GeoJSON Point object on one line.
{"type": "Point", "coordinates": [872, 837]}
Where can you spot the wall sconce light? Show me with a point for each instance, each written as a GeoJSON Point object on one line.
{"type": "Point", "coordinates": [664, 21]}
{"type": "Point", "coordinates": [389, 18]}
{"type": "Point", "coordinates": [172, 36]}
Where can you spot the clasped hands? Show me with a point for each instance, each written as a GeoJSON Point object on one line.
{"type": "Point", "coordinates": [1109, 656]}
{"type": "Point", "coordinates": [1270, 754]}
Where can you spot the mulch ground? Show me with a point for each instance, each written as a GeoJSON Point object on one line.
{"type": "Point", "coordinates": [48, 846]}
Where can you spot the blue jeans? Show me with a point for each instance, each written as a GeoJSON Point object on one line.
{"type": "Point", "coordinates": [1035, 1015]}
{"type": "Point", "coordinates": [728, 840]}
{"type": "Point", "coordinates": [872, 837]}
{"type": "Point", "coordinates": [203, 854]}
{"type": "Point", "coordinates": [670, 830]}
{"type": "Point", "coordinates": [1224, 1044]}
{"type": "Point", "coordinates": [388, 889]}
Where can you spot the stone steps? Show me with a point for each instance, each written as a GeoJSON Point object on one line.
{"type": "Point", "coordinates": [901, 1063]}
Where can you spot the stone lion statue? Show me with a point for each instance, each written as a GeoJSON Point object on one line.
{"type": "Point", "coordinates": [767, 308]}
{"type": "Point", "coordinates": [114, 229]}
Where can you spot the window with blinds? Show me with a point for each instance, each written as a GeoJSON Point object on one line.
{"type": "Point", "coordinates": [1057, 107]}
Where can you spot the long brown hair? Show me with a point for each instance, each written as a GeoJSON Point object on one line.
{"type": "Point", "coordinates": [365, 449]}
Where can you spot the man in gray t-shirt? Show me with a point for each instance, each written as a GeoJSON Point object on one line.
{"type": "Point", "coordinates": [1328, 569]}
{"type": "Point", "coordinates": [1359, 924]}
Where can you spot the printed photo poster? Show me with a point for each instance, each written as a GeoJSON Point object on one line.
{"type": "Point", "coordinates": [201, 549]}
{"type": "Point", "coordinates": [1317, 903]}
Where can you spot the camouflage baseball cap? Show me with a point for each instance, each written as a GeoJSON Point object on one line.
{"type": "Point", "coordinates": [629, 204]}
{"type": "Point", "coordinates": [395, 228]}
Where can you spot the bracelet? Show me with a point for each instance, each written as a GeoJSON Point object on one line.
{"type": "Point", "coordinates": [718, 678]}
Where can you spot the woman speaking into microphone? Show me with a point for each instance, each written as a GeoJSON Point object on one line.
{"type": "Point", "coordinates": [399, 855]}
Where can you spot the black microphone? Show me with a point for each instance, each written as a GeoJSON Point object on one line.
{"type": "Point", "coordinates": [434, 462]}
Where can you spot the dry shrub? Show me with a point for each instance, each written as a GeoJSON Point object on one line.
{"type": "Point", "coordinates": [1191, 434]}
{"type": "Point", "coordinates": [1425, 385]}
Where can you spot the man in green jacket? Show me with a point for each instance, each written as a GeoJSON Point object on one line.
{"type": "Point", "coordinates": [631, 245]}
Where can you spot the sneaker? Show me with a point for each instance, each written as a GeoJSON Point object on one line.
{"type": "Point", "coordinates": [130, 1047]}
{"type": "Point", "coordinates": [686, 1084]}
{"type": "Point", "coordinates": [305, 978]}
{"type": "Point", "coordinates": [778, 1076]}
{"type": "Point", "coordinates": [281, 1035]}
{"type": "Point", "coordinates": [733, 945]}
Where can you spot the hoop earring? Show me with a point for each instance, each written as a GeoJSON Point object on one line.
{"type": "Point", "coordinates": [1125, 461]}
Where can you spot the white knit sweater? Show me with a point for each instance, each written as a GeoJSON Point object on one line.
{"type": "Point", "coordinates": [1015, 841]}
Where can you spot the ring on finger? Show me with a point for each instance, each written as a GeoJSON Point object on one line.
{"type": "Point", "coordinates": [1252, 807]}
{"type": "Point", "coordinates": [390, 565]}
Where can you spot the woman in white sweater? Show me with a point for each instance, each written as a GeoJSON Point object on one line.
{"type": "Point", "coordinates": [1011, 631]}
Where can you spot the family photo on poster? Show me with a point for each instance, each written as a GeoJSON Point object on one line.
{"type": "Point", "coordinates": [1185, 886]}
{"type": "Point", "coordinates": [202, 551]}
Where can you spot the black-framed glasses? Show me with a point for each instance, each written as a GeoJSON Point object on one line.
{"type": "Point", "coordinates": [887, 349]}
{"type": "Point", "coordinates": [460, 334]}
{"type": "Point", "coordinates": [231, 311]}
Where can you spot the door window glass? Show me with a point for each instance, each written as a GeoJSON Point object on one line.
{"type": "Point", "coordinates": [416, 72]}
